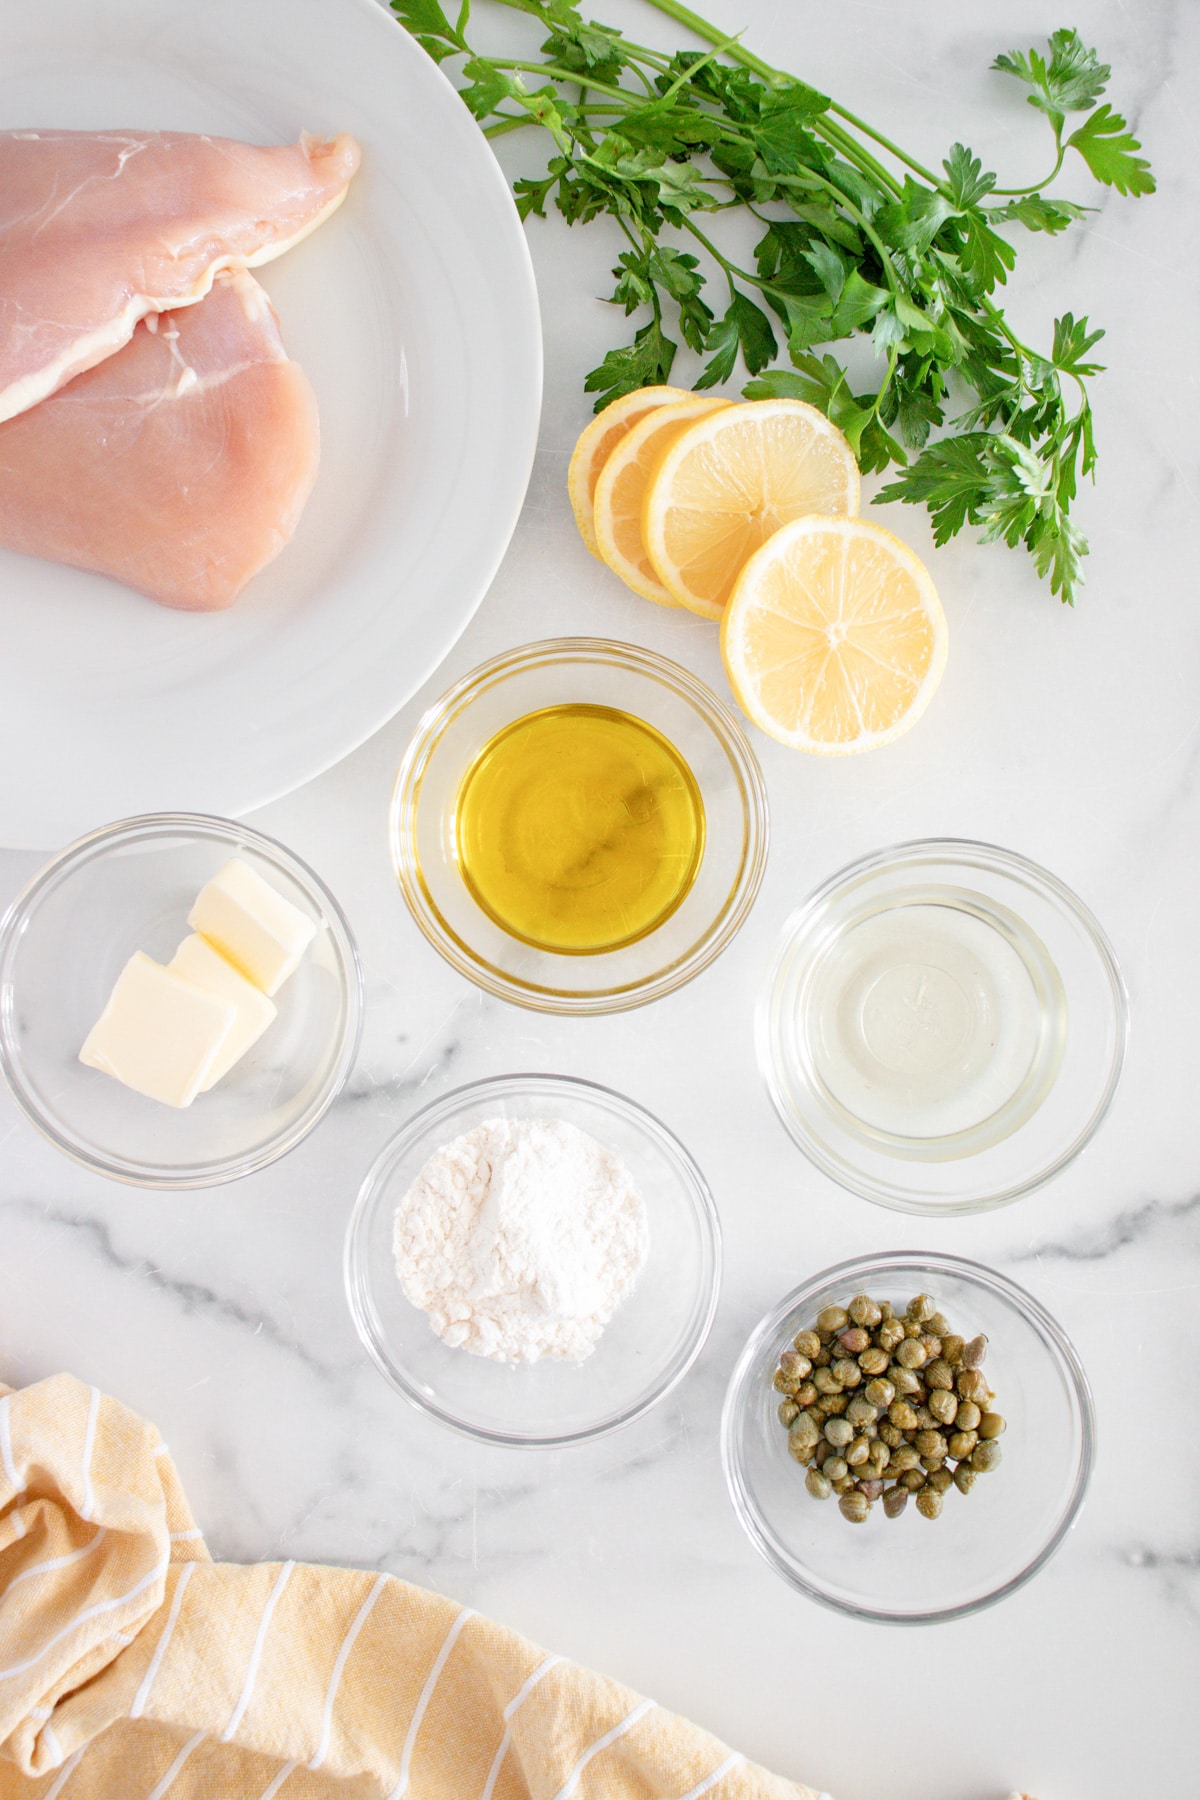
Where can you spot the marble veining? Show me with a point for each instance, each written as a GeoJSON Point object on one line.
{"type": "Point", "coordinates": [1073, 737]}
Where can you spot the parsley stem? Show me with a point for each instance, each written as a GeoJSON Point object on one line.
{"type": "Point", "coordinates": [776, 78]}
{"type": "Point", "coordinates": [1036, 186]}
{"type": "Point", "coordinates": [886, 143]}
{"type": "Point", "coordinates": [569, 76]}
{"type": "Point", "coordinates": [683, 15]}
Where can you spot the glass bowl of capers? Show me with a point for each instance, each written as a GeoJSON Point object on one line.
{"type": "Point", "coordinates": [908, 1438]}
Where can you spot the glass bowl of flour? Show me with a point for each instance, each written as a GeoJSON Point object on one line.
{"type": "Point", "coordinates": [533, 1260]}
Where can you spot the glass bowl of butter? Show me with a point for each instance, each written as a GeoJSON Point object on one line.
{"type": "Point", "coordinates": [180, 1000]}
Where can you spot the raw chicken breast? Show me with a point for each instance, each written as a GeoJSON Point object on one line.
{"type": "Point", "coordinates": [180, 466]}
{"type": "Point", "coordinates": [100, 228]}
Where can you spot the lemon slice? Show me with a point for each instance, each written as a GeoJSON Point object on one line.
{"type": "Point", "coordinates": [596, 443]}
{"type": "Point", "coordinates": [621, 488]}
{"type": "Point", "coordinates": [727, 484]}
{"type": "Point", "coordinates": [834, 638]}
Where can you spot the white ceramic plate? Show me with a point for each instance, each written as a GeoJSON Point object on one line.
{"type": "Point", "coordinates": [415, 315]}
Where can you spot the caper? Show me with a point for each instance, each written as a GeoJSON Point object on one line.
{"type": "Point", "coordinates": [929, 1502]}
{"type": "Point", "coordinates": [968, 1416]}
{"type": "Point", "coordinates": [783, 1384]}
{"type": "Point", "coordinates": [911, 1353]}
{"type": "Point", "coordinates": [902, 1415]}
{"type": "Point", "coordinates": [839, 1432]}
{"type": "Point", "coordinates": [952, 1349]}
{"type": "Point", "coordinates": [939, 1374]}
{"type": "Point", "coordinates": [787, 1411]}
{"type": "Point", "coordinates": [858, 1452]}
{"type": "Point", "coordinates": [886, 1311]}
{"type": "Point", "coordinates": [826, 1382]}
{"type": "Point", "coordinates": [835, 1468]}
{"type": "Point", "coordinates": [943, 1406]}
{"type": "Point", "coordinates": [937, 1323]}
{"type": "Point", "coordinates": [975, 1351]}
{"type": "Point", "coordinates": [870, 1489]}
{"type": "Point", "coordinates": [964, 1478]}
{"type": "Point", "coordinates": [864, 1311]}
{"type": "Point", "coordinates": [921, 1307]}
{"type": "Point", "coordinates": [807, 1343]}
{"type": "Point", "coordinates": [925, 1419]}
{"type": "Point", "coordinates": [991, 1425]}
{"type": "Point", "coordinates": [818, 1485]}
{"type": "Point", "coordinates": [962, 1444]}
{"type": "Point", "coordinates": [986, 1456]}
{"type": "Point", "coordinates": [911, 1328]}
{"type": "Point", "coordinates": [844, 1485]}
{"type": "Point", "coordinates": [854, 1339]}
{"type": "Point", "coordinates": [879, 1392]}
{"type": "Point", "coordinates": [894, 1501]}
{"type": "Point", "coordinates": [800, 1448]}
{"type": "Point", "coordinates": [874, 1362]}
{"type": "Point", "coordinates": [940, 1479]}
{"type": "Point", "coordinates": [796, 1367]}
{"type": "Point", "coordinates": [932, 1345]}
{"type": "Point", "coordinates": [835, 1404]}
{"type": "Point", "coordinates": [904, 1381]}
{"type": "Point", "coordinates": [806, 1393]}
{"type": "Point", "coordinates": [903, 1458]}
{"type": "Point", "coordinates": [861, 1412]}
{"type": "Point", "coordinates": [831, 1320]}
{"type": "Point", "coordinates": [913, 1480]}
{"type": "Point", "coordinates": [972, 1385]}
{"type": "Point", "coordinates": [891, 1435]}
{"type": "Point", "coordinates": [822, 1359]}
{"type": "Point", "coordinates": [930, 1463]}
{"type": "Point", "coordinates": [847, 1371]}
{"type": "Point", "coordinates": [855, 1506]}
{"type": "Point", "coordinates": [890, 1333]}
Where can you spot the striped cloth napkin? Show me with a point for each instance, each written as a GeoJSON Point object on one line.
{"type": "Point", "coordinates": [133, 1667]}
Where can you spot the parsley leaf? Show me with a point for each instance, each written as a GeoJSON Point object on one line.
{"type": "Point", "coordinates": [1108, 148]}
{"type": "Point", "coordinates": [745, 327]}
{"type": "Point", "coordinates": [644, 363]}
{"type": "Point", "coordinates": [1071, 80]}
{"type": "Point", "coordinates": [965, 177]}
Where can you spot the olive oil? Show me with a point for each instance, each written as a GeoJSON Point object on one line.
{"type": "Point", "coordinates": [579, 829]}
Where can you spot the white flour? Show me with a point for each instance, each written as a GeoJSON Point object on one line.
{"type": "Point", "coordinates": [520, 1239]}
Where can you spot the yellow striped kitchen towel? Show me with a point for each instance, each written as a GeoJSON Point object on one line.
{"type": "Point", "coordinates": [133, 1667]}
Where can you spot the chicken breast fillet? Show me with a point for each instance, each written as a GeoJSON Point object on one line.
{"type": "Point", "coordinates": [180, 465]}
{"type": "Point", "coordinates": [98, 229]}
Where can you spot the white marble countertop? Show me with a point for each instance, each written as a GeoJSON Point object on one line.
{"type": "Point", "coordinates": [1073, 737]}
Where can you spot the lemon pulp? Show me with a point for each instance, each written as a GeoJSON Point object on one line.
{"type": "Point", "coordinates": [579, 828]}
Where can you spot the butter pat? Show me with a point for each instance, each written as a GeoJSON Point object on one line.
{"type": "Point", "coordinates": [159, 1035]}
{"type": "Point", "coordinates": [260, 932]}
{"type": "Point", "coordinates": [196, 961]}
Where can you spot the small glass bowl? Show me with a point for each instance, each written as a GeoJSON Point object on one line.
{"type": "Point", "coordinates": [986, 1544]}
{"type": "Point", "coordinates": [553, 673]}
{"type": "Point", "coordinates": [650, 1342]}
{"type": "Point", "coordinates": [982, 1059]}
{"type": "Point", "coordinates": [64, 941]}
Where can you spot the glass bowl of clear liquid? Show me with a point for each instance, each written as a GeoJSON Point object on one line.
{"type": "Point", "coordinates": [943, 1026]}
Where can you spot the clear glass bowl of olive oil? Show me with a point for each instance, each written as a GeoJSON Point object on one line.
{"type": "Point", "coordinates": [579, 826]}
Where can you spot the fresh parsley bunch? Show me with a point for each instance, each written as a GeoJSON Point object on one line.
{"type": "Point", "coordinates": [856, 237]}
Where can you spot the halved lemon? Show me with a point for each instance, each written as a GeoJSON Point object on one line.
{"type": "Point", "coordinates": [596, 443]}
{"type": "Point", "coordinates": [621, 488]}
{"type": "Point", "coordinates": [834, 638]}
{"type": "Point", "coordinates": [723, 487]}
